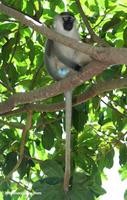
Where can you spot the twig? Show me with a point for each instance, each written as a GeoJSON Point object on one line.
{"type": "Point", "coordinates": [22, 146]}
{"type": "Point", "coordinates": [113, 108]}
{"type": "Point", "coordinates": [4, 85]}
{"type": "Point", "coordinates": [34, 159]}
{"type": "Point", "coordinates": [95, 37]}
{"type": "Point", "coordinates": [21, 185]}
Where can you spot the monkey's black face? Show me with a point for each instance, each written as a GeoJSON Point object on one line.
{"type": "Point", "coordinates": [68, 20]}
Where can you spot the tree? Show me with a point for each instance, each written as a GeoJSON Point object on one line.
{"type": "Point", "coordinates": [32, 106]}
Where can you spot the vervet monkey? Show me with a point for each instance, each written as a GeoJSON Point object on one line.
{"type": "Point", "coordinates": [60, 61]}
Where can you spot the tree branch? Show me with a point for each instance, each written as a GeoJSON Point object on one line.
{"type": "Point", "coordinates": [91, 92]}
{"type": "Point", "coordinates": [22, 185]}
{"type": "Point", "coordinates": [59, 87]}
{"type": "Point", "coordinates": [108, 55]}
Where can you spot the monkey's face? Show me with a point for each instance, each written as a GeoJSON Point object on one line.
{"type": "Point", "coordinates": [68, 20]}
{"type": "Point", "coordinates": [65, 23]}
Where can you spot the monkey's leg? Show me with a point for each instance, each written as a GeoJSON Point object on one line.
{"type": "Point", "coordinates": [68, 120]}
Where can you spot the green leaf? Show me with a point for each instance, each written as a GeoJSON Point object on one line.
{"type": "Point", "coordinates": [51, 131]}
{"type": "Point", "coordinates": [79, 116]}
{"type": "Point", "coordinates": [123, 154]}
{"type": "Point", "coordinates": [7, 26]}
{"type": "Point", "coordinates": [55, 3]}
{"type": "Point", "coordinates": [125, 195]}
{"type": "Point", "coordinates": [106, 3]}
{"type": "Point", "coordinates": [105, 159]}
{"type": "Point", "coordinates": [4, 142]}
{"type": "Point", "coordinates": [52, 180]}
{"type": "Point", "coordinates": [4, 33]}
{"type": "Point", "coordinates": [80, 177]}
{"type": "Point", "coordinates": [10, 162]}
{"type": "Point", "coordinates": [125, 37]}
{"type": "Point", "coordinates": [123, 172]}
{"type": "Point", "coordinates": [23, 168]}
{"type": "Point", "coordinates": [18, 4]}
{"type": "Point", "coordinates": [51, 168]}
{"type": "Point", "coordinates": [74, 8]}
{"type": "Point", "coordinates": [109, 158]}
{"type": "Point", "coordinates": [13, 74]}
{"type": "Point", "coordinates": [88, 138]}
{"type": "Point", "coordinates": [101, 118]}
{"type": "Point", "coordinates": [3, 17]}
{"type": "Point", "coordinates": [48, 192]}
{"type": "Point", "coordinates": [97, 189]}
{"type": "Point", "coordinates": [85, 162]}
{"type": "Point", "coordinates": [30, 8]}
{"type": "Point", "coordinates": [48, 137]}
{"type": "Point", "coordinates": [4, 186]}
{"type": "Point", "coordinates": [80, 192]}
{"type": "Point", "coordinates": [112, 23]}
{"type": "Point", "coordinates": [7, 49]}
{"type": "Point", "coordinates": [32, 50]}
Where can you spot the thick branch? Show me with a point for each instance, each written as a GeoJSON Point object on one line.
{"type": "Point", "coordinates": [108, 55]}
{"type": "Point", "coordinates": [59, 87]}
{"type": "Point", "coordinates": [93, 91]}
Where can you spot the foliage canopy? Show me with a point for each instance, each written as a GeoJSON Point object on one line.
{"type": "Point", "coordinates": [99, 125]}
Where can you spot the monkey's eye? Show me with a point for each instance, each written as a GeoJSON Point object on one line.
{"type": "Point", "coordinates": [71, 19]}
{"type": "Point", "coordinates": [65, 18]}
{"type": "Point", "coordinates": [68, 18]}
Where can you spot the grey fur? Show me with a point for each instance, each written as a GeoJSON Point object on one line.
{"type": "Point", "coordinates": [59, 58]}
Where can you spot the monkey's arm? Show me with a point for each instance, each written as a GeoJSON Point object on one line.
{"type": "Point", "coordinates": [55, 67]}
{"type": "Point", "coordinates": [71, 58]}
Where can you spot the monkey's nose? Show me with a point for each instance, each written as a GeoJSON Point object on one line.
{"type": "Point", "coordinates": [68, 26]}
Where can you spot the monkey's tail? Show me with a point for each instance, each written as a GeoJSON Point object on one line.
{"type": "Point", "coordinates": [68, 122]}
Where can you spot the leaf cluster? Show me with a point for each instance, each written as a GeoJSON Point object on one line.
{"type": "Point", "coordinates": [98, 126]}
